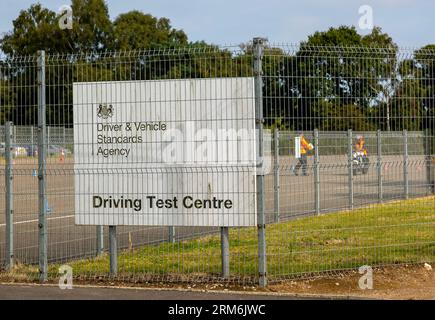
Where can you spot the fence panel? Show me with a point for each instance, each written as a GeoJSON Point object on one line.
{"type": "Point", "coordinates": [144, 252]}
{"type": "Point", "coordinates": [342, 91]}
{"type": "Point", "coordinates": [377, 94]}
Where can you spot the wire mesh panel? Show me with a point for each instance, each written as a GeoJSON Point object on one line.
{"type": "Point", "coordinates": [348, 159]}
{"type": "Point", "coordinates": [375, 130]}
{"type": "Point", "coordinates": [148, 252]}
{"type": "Point", "coordinates": [18, 92]}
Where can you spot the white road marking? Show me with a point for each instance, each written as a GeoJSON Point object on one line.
{"type": "Point", "coordinates": [36, 220]}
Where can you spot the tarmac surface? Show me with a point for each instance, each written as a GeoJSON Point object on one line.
{"type": "Point", "coordinates": [43, 292]}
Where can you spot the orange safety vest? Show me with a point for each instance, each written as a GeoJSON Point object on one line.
{"type": "Point", "coordinates": [359, 146]}
{"type": "Point", "coordinates": [305, 146]}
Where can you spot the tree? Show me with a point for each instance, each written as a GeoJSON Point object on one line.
{"type": "Point", "coordinates": [37, 28]}
{"type": "Point", "coordinates": [34, 29]}
{"type": "Point", "coordinates": [92, 27]}
{"type": "Point", "coordinates": [425, 61]}
{"type": "Point", "coordinates": [337, 66]}
{"type": "Point", "coordinates": [93, 33]}
{"type": "Point", "coordinates": [136, 30]}
{"type": "Point", "coordinates": [7, 101]}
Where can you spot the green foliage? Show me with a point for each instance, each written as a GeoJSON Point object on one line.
{"type": "Point", "coordinates": [136, 30]}
{"type": "Point", "coordinates": [425, 58]}
{"type": "Point", "coordinates": [335, 67]}
{"type": "Point", "coordinates": [7, 101]}
{"type": "Point", "coordinates": [35, 29]}
{"type": "Point", "coordinates": [92, 27]}
{"type": "Point", "coordinates": [338, 79]}
{"type": "Point", "coordinates": [341, 117]}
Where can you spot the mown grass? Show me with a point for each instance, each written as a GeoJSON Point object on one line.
{"type": "Point", "coordinates": [398, 232]}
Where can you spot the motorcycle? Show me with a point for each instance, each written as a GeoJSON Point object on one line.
{"type": "Point", "coordinates": [361, 162]}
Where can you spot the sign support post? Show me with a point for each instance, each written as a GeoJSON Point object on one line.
{"type": "Point", "coordinates": [100, 239]}
{"type": "Point", "coordinates": [225, 252]}
{"type": "Point", "coordinates": [113, 251]}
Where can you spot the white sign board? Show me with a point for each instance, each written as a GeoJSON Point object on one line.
{"type": "Point", "coordinates": [297, 147]}
{"type": "Point", "coordinates": [166, 152]}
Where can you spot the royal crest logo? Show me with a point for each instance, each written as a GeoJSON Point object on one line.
{"type": "Point", "coordinates": [105, 111]}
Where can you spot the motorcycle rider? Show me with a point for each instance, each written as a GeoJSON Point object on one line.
{"type": "Point", "coordinates": [359, 145]}
{"type": "Point", "coordinates": [360, 158]}
{"type": "Point", "coordinates": [305, 146]}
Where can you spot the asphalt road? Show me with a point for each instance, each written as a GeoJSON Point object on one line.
{"type": "Point", "coordinates": [67, 241]}
{"type": "Point", "coordinates": [38, 292]}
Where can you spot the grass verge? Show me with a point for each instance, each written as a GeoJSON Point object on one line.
{"type": "Point", "coordinates": [391, 233]}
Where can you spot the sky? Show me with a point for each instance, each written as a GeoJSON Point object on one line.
{"type": "Point", "coordinates": [411, 23]}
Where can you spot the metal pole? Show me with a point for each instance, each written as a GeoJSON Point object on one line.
{"type": "Point", "coordinates": [64, 142]}
{"type": "Point", "coordinates": [261, 221]}
{"type": "Point", "coordinates": [350, 165]}
{"type": "Point", "coordinates": [405, 164]}
{"type": "Point", "coordinates": [316, 172]}
{"type": "Point", "coordinates": [32, 144]}
{"type": "Point", "coordinates": [427, 159]}
{"type": "Point", "coordinates": [14, 135]}
{"type": "Point", "coordinates": [113, 251]}
{"type": "Point", "coordinates": [9, 197]}
{"type": "Point", "coordinates": [42, 218]}
{"type": "Point", "coordinates": [100, 239]}
{"type": "Point", "coordinates": [379, 165]}
{"type": "Point", "coordinates": [276, 174]}
{"type": "Point", "coordinates": [225, 252]}
{"type": "Point", "coordinates": [430, 161]}
{"type": "Point", "coordinates": [171, 234]}
{"type": "Point", "coordinates": [48, 137]}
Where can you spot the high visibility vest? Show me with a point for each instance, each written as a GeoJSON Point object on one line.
{"type": "Point", "coordinates": [305, 146]}
{"type": "Point", "coordinates": [359, 146]}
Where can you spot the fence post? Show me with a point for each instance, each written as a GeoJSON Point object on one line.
{"type": "Point", "coordinates": [63, 136]}
{"type": "Point", "coordinates": [276, 174]}
{"type": "Point", "coordinates": [405, 164]}
{"type": "Point", "coordinates": [14, 134]}
{"type": "Point", "coordinates": [171, 234]}
{"type": "Point", "coordinates": [430, 160]}
{"type": "Point", "coordinates": [9, 197]}
{"type": "Point", "coordinates": [379, 165]}
{"type": "Point", "coordinates": [350, 166]}
{"type": "Point", "coordinates": [225, 252]}
{"type": "Point", "coordinates": [42, 149]}
{"type": "Point", "coordinates": [48, 137]}
{"type": "Point", "coordinates": [32, 142]}
{"type": "Point", "coordinates": [316, 172]}
{"type": "Point", "coordinates": [113, 251]}
{"type": "Point", "coordinates": [100, 239]}
{"type": "Point", "coordinates": [258, 46]}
